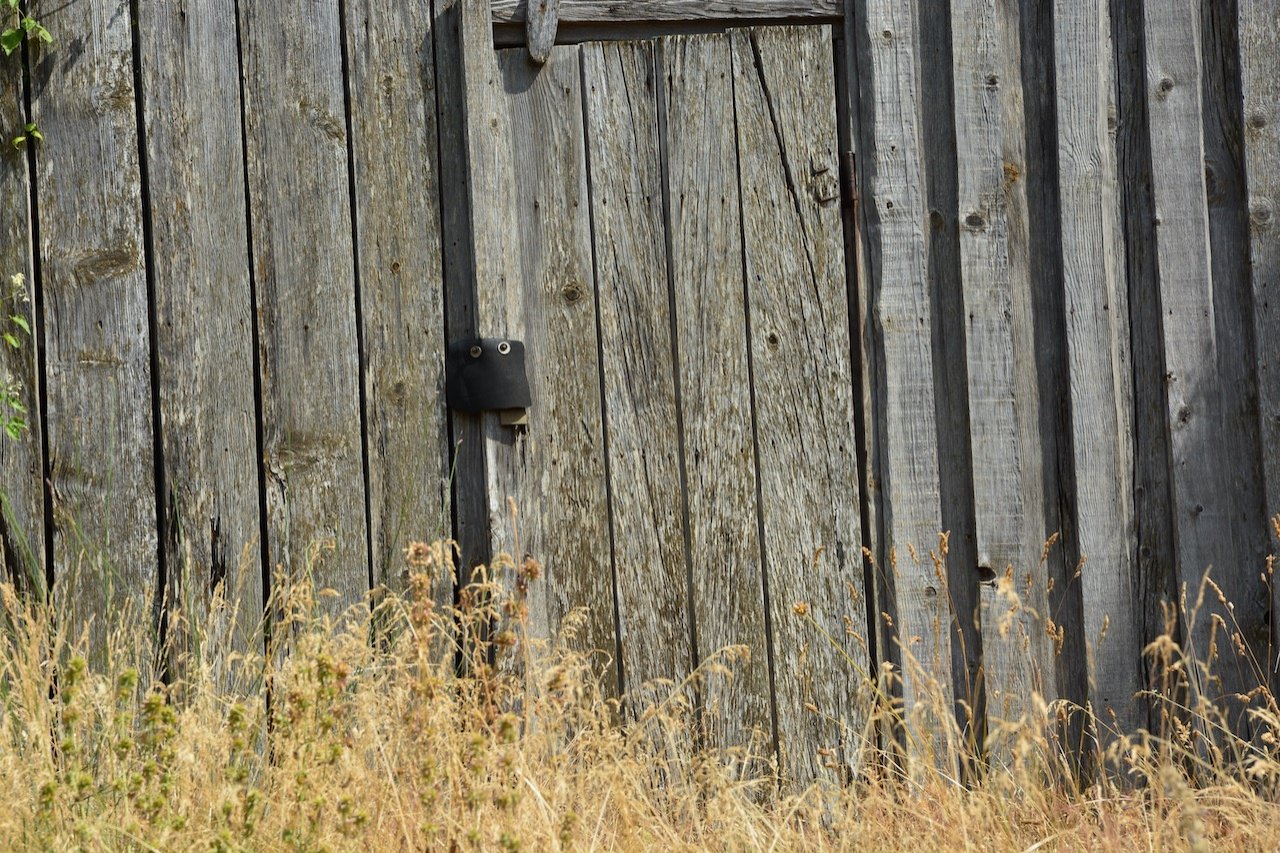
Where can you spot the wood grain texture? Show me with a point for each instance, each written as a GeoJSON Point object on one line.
{"type": "Point", "coordinates": [1004, 404]}
{"type": "Point", "coordinates": [1202, 503]}
{"type": "Point", "coordinates": [950, 369]}
{"type": "Point", "coordinates": [541, 21]}
{"type": "Point", "coordinates": [626, 11]}
{"type": "Point", "coordinates": [1240, 454]}
{"type": "Point", "coordinates": [646, 507]}
{"type": "Point", "coordinates": [902, 322]}
{"type": "Point", "coordinates": [204, 322]}
{"type": "Point", "coordinates": [711, 321]}
{"type": "Point", "coordinates": [470, 503]}
{"type": "Point", "coordinates": [530, 229]}
{"type": "Point", "coordinates": [799, 323]}
{"type": "Point", "coordinates": [1155, 565]}
{"type": "Point", "coordinates": [22, 533]}
{"type": "Point", "coordinates": [97, 339]}
{"type": "Point", "coordinates": [305, 275]}
{"type": "Point", "coordinates": [1260, 77]}
{"type": "Point", "coordinates": [392, 81]}
{"type": "Point", "coordinates": [1097, 329]}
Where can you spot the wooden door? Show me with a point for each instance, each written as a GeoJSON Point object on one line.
{"type": "Point", "coordinates": [659, 220]}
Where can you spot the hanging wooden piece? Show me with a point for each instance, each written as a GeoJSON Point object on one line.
{"type": "Point", "coordinates": [541, 20]}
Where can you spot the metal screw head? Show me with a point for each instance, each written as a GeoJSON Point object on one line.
{"type": "Point", "coordinates": [504, 348]}
{"type": "Point", "coordinates": [476, 351]}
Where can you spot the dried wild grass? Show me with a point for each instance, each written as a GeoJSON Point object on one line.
{"type": "Point", "coordinates": [373, 738]}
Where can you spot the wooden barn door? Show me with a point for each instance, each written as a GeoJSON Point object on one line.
{"type": "Point", "coordinates": [659, 220]}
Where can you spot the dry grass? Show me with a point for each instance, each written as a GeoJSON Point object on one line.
{"type": "Point", "coordinates": [372, 740]}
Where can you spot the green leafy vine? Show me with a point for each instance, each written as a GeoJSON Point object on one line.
{"type": "Point", "coordinates": [22, 26]}
{"type": "Point", "coordinates": [14, 329]}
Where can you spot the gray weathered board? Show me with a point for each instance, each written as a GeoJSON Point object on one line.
{"type": "Point", "coordinates": [1260, 72]}
{"type": "Point", "coordinates": [1054, 317]}
{"type": "Point", "coordinates": [1009, 494]}
{"type": "Point", "coordinates": [204, 322]}
{"type": "Point", "coordinates": [96, 332]}
{"type": "Point", "coordinates": [1203, 503]}
{"type": "Point", "coordinates": [305, 279]}
{"type": "Point", "coordinates": [544, 484]}
{"type": "Point", "coordinates": [918, 634]}
{"type": "Point", "coordinates": [709, 297]}
{"type": "Point", "coordinates": [1097, 330]}
{"type": "Point", "coordinates": [802, 387]}
{"type": "Point", "coordinates": [22, 542]}
{"type": "Point", "coordinates": [639, 385]}
{"type": "Point", "coordinates": [626, 11]}
{"type": "Point", "coordinates": [391, 60]}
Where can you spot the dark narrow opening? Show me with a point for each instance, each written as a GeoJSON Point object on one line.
{"type": "Point", "coordinates": [754, 59]}
{"type": "Point", "coordinates": [343, 35]}
{"type": "Point", "coordinates": [37, 299]}
{"type": "Point", "coordinates": [256, 332]}
{"type": "Point", "coordinates": [604, 397]}
{"type": "Point", "coordinates": [1233, 307]}
{"type": "Point", "coordinates": [1044, 206]}
{"type": "Point", "coordinates": [166, 527]}
{"type": "Point", "coordinates": [1154, 563]}
{"type": "Point", "coordinates": [847, 109]}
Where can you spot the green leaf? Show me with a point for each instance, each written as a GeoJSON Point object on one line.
{"type": "Point", "coordinates": [19, 141]}
{"type": "Point", "coordinates": [21, 323]}
{"type": "Point", "coordinates": [10, 40]}
{"type": "Point", "coordinates": [29, 23]}
{"type": "Point", "coordinates": [12, 341]}
{"type": "Point", "coordinates": [15, 427]}
{"type": "Point", "coordinates": [17, 406]}
{"type": "Point", "coordinates": [44, 35]}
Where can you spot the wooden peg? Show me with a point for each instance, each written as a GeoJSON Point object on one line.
{"type": "Point", "coordinates": [541, 20]}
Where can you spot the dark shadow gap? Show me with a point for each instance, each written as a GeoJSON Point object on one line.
{"type": "Point", "coordinates": [39, 332]}
{"type": "Point", "coordinates": [167, 523]}
{"type": "Point", "coordinates": [353, 202]}
{"type": "Point", "coordinates": [256, 332]}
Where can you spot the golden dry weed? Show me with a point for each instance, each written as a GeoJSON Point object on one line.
{"type": "Point", "coordinates": [409, 727]}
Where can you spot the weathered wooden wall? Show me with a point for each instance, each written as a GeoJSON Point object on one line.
{"type": "Point", "coordinates": [1047, 314]}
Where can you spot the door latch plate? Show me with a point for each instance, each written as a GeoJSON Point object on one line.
{"type": "Point", "coordinates": [486, 374]}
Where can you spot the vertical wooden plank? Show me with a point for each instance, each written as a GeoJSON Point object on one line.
{"type": "Point", "coordinates": [531, 242]}
{"type": "Point", "coordinates": [1238, 443]}
{"type": "Point", "coordinates": [392, 85]}
{"type": "Point", "coordinates": [466, 463]}
{"type": "Point", "coordinates": [646, 508]}
{"type": "Point", "coordinates": [97, 340]}
{"type": "Point", "coordinates": [1096, 319]}
{"type": "Point", "coordinates": [304, 270]}
{"type": "Point", "coordinates": [1202, 502]}
{"type": "Point", "coordinates": [799, 333]}
{"type": "Point", "coordinates": [22, 534]}
{"type": "Point", "coordinates": [1260, 76]}
{"type": "Point", "coordinates": [950, 371]}
{"type": "Point", "coordinates": [1004, 405]}
{"type": "Point", "coordinates": [1155, 573]}
{"type": "Point", "coordinates": [204, 319]}
{"type": "Point", "coordinates": [902, 321]}
{"type": "Point", "coordinates": [715, 383]}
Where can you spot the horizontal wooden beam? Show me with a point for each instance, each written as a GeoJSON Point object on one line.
{"type": "Point", "coordinates": [635, 11]}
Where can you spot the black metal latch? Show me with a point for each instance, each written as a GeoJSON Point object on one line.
{"type": "Point", "coordinates": [488, 374]}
